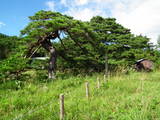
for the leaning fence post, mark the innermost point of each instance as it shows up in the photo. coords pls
(106, 64)
(61, 106)
(87, 89)
(98, 83)
(105, 78)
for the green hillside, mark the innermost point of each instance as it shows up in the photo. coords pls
(135, 96)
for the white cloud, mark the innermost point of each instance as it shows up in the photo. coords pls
(2, 24)
(84, 14)
(50, 5)
(81, 2)
(63, 2)
(141, 16)
(82, 10)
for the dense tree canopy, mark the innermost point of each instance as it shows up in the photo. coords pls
(12, 50)
(122, 46)
(78, 45)
(7, 44)
(46, 26)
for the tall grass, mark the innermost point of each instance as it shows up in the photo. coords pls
(135, 96)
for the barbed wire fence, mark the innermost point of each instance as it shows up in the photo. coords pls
(21, 116)
(61, 101)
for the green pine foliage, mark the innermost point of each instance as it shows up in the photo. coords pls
(123, 48)
(13, 62)
(7, 44)
(81, 46)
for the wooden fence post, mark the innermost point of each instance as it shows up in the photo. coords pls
(98, 83)
(104, 78)
(87, 89)
(61, 106)
(106, 65)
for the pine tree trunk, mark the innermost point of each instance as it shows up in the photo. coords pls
(52, 61)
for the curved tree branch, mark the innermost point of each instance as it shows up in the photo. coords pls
(61, 42)
(83, 49)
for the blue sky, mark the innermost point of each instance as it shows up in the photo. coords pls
(14, 14)
(141, 16)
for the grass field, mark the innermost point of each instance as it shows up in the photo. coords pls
(135, 96)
